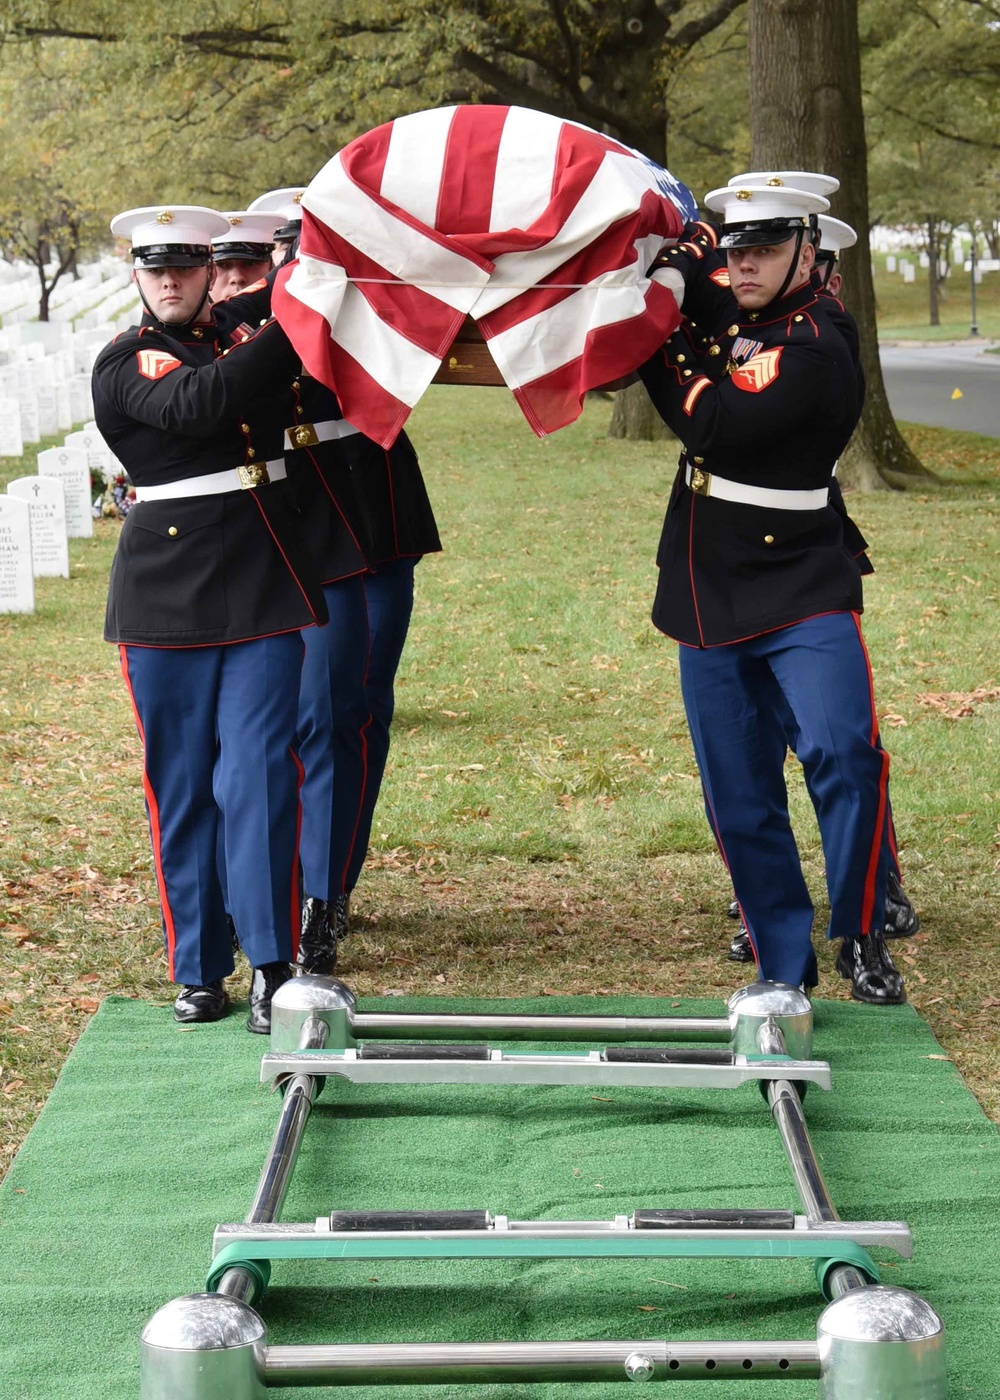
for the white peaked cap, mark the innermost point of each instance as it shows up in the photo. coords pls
(835, 235)
(246, 226)
(809, 180)
(286, 202)
(742, 204)
(160, 225)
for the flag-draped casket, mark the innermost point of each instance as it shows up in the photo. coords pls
(539, 229)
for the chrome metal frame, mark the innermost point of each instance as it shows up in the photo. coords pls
(214, 1347)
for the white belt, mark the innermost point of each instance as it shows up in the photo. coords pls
(309, 434)
(215, 483)
(707, 484)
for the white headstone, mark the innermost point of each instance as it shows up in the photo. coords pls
(11, 441)
(17, 581)
(64, 406)
(79, 397)
(69, 465)
(890, 263)
(924, 260)
(49, 550)
(99, 454)
(909, 273)
(28, 400)
(48, 412)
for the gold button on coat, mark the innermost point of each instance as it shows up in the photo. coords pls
(699, 460)
(769, 539)
(733, 330)
(715, 350)
(244, 427)
(172, 530)
(681, 359)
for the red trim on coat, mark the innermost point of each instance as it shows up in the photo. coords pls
(154, 820)
(766, 631)
(694, 594)
(329, 491)
(868, 899)
(233, 641)
(392, 498)
(305, 595)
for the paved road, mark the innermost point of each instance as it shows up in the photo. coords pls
(920, 381)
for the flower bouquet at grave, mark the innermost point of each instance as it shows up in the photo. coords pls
(115, 495)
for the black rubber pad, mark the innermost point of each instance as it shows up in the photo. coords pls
(714, 1220)
(424, 1052)
(675, 1055)
(348, 1220)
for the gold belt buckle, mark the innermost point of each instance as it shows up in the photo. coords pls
(252, 475)
(303, 435)
(701, 482)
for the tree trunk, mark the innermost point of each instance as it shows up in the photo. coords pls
(932, 279)
(806, 114)
(634, 417)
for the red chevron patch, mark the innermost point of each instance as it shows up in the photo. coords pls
(154, 364)
(758, 372)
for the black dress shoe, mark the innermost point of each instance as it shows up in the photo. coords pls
(265, 982)
(317, 953)
(733, 911)
(867, 964)
(340, 917)
(901, 919)
(208, 1003)
(740, 949)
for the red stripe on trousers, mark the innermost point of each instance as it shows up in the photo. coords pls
(363, 736)
(296, 910)
(154, 822)
(868, 899)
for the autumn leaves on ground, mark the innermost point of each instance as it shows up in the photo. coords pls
(540, 829)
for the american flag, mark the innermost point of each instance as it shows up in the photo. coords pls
(539, 228)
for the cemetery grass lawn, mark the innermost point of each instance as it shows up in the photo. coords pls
(541, 826)
(903, 308)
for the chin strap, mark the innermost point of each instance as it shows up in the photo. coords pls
(166, 324)
(800, 234)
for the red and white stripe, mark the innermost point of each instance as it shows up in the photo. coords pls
(539, 228)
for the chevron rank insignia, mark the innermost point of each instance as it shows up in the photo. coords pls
(758, 372)
(720, 277)
(154, 364)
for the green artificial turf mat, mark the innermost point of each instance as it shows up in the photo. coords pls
(154, 1134)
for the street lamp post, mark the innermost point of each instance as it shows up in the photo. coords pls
(974, 328)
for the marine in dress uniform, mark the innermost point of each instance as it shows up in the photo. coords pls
(210, 587)
(241, 257)
(368, 521)
(760, 587)
(901, 920)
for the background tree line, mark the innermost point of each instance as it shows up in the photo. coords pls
(103, 107)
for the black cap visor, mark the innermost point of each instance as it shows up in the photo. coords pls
(761, 233)
(172, 255)
(242, 252)
(288, 231)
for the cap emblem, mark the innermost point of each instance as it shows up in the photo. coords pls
(774, 180)
(744, 194)
(235, 220)
(165, 217)
(298, 198)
